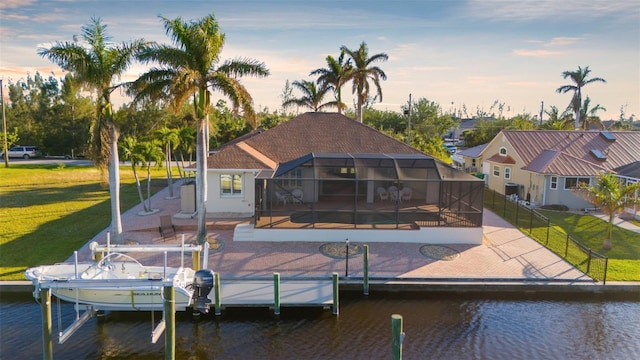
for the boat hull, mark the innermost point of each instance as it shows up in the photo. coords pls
(115, 285)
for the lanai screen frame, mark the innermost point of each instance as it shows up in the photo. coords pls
(339, 190)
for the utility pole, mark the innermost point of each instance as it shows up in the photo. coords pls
(5, 148)
(541, 110)
(408, 113)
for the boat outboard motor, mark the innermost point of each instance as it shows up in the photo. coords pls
(202, 283)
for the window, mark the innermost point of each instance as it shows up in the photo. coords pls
(230, 185)
(496, 171)
(292, 179)
(507, 173)
(473, 162)
(503, 151)
(553, 183)
(573, 182)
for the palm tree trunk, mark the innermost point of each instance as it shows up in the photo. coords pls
(114, 186)
(139, 187)
(169, 179)
(201, 179)
(607, 244)
(149, 185)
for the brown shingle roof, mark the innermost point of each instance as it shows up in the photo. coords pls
(310, 132)
(572, 149)
(502, 159)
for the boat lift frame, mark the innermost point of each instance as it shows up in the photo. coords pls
(43, 288)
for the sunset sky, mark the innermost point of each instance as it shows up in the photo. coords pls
(470, 52)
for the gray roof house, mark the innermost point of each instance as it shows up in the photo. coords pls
(326, 177)
(543, 166)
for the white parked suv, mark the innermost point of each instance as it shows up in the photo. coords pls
(24, 152)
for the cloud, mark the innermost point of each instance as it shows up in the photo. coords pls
(12, 4)
(500, 10)
(537, 53)
(562, 41)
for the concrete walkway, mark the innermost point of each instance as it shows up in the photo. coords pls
(506, 254)
(618, 221)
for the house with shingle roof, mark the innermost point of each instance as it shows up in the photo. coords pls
(543, 166)
(326, 177)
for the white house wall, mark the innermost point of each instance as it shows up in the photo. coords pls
(230, 206)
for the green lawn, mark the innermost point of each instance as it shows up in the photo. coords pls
(624, 256)
(47, 212)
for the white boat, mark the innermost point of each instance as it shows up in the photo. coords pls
(120, 282)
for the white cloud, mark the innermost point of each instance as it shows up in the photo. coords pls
(562, 41)
(537, 53)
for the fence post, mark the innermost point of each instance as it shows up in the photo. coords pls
(336, 298)
(566, 247)
(589, 263)
(366, 269)
(504, 207)
(493, 200)
(606, 264)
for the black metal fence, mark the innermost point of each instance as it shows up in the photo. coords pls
(542, 230)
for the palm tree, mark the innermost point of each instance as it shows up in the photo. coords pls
(131, 151)
(150, 151)
(311, 98)
(558, 121)
(170, 139)
(362, 71)
(333, 77)
(588, 115)
(611, 195)
(188, 70)
(97, 66)
(186, 142)
(579, 78)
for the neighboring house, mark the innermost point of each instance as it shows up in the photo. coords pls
(543, 166)
(470, 160)
(326, 177)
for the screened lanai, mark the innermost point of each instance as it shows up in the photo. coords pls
(380, 191)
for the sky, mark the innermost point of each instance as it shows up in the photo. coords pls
(457, 53)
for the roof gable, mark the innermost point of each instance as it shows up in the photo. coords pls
(312, 132)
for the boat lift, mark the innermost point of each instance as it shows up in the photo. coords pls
(43, 289)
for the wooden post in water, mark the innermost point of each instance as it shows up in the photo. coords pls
(195, 257)
(170, 319)
(216, 290)
(336, 300)
(397, 337)
(276, 293)
(366, 270)
(47, 338)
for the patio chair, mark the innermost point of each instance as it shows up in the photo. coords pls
(297, 195)
(383, 194)
(393, 193)
(281, 198)
(167, 229)
(405, 194)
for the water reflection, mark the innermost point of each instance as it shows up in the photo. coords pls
(436, 328)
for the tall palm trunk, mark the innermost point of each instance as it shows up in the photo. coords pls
(114, 185)
(201, 179)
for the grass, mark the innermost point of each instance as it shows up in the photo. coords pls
(48, 211)
(588, 230)
(624, 256)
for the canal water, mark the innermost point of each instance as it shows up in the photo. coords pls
(437, 326)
